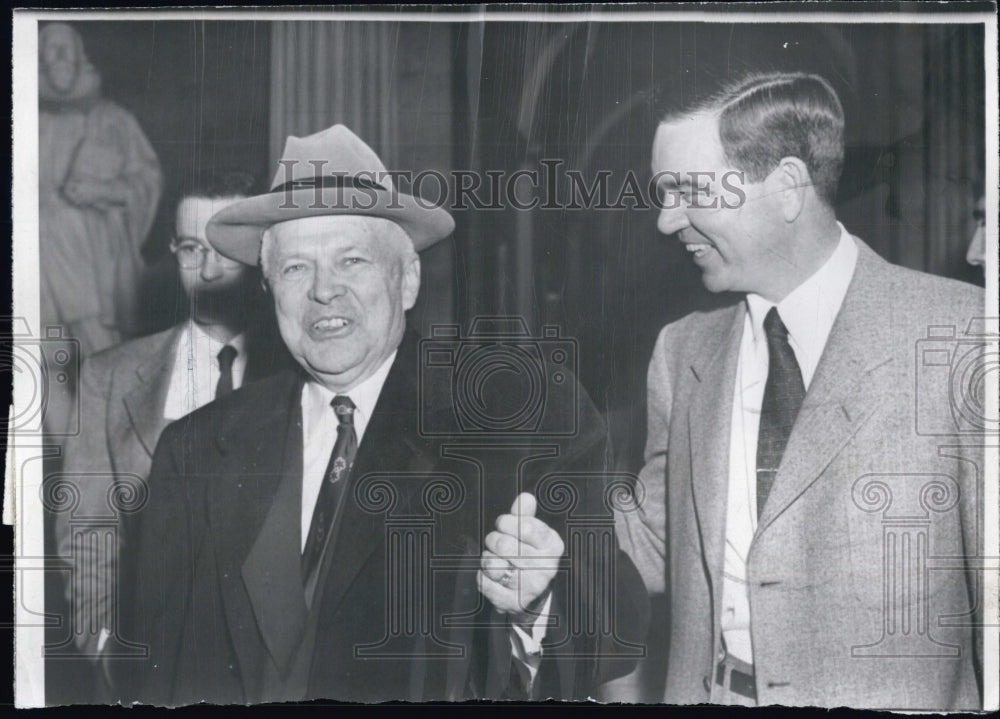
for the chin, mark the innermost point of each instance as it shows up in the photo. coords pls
(714, 285)
(333, 366)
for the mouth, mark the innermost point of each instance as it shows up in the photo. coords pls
(331, 326)
(698, 249)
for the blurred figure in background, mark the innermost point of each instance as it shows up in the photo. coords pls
(99, 186)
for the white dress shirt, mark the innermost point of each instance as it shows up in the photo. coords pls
(319, 433)
(196, 370)
(808, 313)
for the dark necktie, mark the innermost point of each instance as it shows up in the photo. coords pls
(226, 357)
(783, 396)
(337, 472)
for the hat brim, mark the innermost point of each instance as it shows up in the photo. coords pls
(236, 230)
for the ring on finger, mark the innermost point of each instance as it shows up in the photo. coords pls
(506, 577)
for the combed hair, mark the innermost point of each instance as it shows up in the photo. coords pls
(765, 117)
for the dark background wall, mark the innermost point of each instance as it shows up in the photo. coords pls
(200, 92)
(504, 96)
(591, 95)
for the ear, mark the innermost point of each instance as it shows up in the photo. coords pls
(792, 184)
(411, 281)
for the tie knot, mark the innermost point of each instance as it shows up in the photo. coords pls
(226, 356)
(344, 408)
(774, 328)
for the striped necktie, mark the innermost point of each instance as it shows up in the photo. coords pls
(337, 472)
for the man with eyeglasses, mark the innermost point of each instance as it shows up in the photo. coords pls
(131, 392)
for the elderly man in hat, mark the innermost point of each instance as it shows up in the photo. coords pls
(304, 539)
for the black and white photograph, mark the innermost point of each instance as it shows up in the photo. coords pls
(641, 354)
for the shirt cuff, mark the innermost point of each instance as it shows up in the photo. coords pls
(527, 648)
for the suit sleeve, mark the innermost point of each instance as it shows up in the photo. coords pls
(971, 475)
(642, 531)
(89, 472)
(600, 608)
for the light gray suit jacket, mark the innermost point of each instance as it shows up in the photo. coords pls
(123, 391)
(858, 587)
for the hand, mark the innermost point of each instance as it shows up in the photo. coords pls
(520, 560)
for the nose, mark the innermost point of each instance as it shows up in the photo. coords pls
(326, 286)
(976, 254)
(211, 268)
(673, 217)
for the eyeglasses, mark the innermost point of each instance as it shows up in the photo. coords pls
(191, 254)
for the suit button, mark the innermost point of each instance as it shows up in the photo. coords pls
(721, 655)
(707, 683)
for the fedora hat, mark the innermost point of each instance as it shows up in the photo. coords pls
(330, 173)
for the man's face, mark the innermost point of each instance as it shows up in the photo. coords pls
(59, 58)
(341, 288)
(728, 224)
(211, 282)
(976, 254)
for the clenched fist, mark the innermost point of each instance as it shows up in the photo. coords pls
(521, 558)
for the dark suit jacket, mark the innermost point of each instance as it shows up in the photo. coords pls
(399, 613)
(876, 484)
(122, 395)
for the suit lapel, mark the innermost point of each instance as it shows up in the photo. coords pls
(146, 395)
(391, 447)
(271, 571)
(844, 391)
(254, 511)
(709, 419)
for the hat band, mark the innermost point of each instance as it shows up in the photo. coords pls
(328, 181)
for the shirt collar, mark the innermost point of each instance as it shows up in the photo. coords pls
(364, 396)
(811, 308)
(196, 336)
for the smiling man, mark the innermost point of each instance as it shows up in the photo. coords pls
(304, 540)
(779, 423)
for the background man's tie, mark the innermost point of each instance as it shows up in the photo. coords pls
(225, 385)
(783, 396)
(334, 481)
